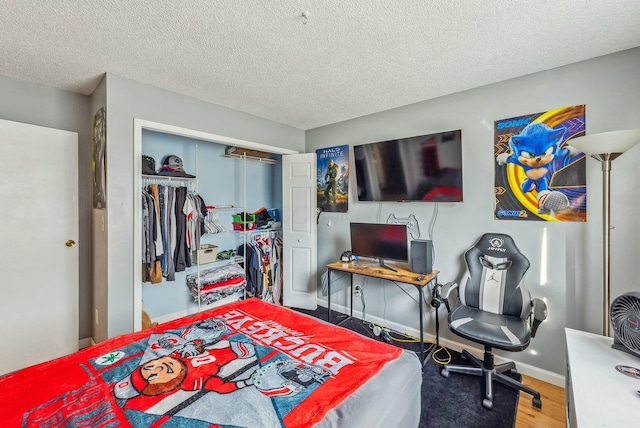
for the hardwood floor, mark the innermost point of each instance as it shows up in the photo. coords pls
(551, 415)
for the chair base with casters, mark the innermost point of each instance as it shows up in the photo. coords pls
(490, 373)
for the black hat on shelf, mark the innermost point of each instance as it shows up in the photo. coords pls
(148, 165)
(172, 167)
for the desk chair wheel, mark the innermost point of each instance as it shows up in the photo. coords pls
(444, 372)
(487, 404)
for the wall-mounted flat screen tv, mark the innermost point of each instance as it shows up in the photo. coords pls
(421, 168)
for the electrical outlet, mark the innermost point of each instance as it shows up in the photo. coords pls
(357, 291)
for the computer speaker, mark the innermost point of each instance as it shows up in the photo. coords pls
(421, 256)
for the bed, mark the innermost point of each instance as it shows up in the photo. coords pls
(244, 364)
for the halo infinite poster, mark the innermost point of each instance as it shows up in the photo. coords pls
(333, 179)
(538, 174)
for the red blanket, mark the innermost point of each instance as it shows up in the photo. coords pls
(244, 364)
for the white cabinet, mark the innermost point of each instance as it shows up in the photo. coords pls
(597, 394)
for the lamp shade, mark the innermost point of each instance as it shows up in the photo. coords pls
(606, 142)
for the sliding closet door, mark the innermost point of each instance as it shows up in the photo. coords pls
(299, 230)
(38, 244)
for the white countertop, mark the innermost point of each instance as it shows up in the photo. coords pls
(602, 397)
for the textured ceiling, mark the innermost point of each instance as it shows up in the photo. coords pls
(349, 59)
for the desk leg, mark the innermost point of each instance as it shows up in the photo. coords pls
(420, 295)
(350, 300)
(351, 291)
(329, 296)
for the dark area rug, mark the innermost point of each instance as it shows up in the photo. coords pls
(447, 402)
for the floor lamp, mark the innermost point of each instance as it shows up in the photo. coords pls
(606, 147)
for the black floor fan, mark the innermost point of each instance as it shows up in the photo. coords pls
(625, 320)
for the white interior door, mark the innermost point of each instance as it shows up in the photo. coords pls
(299, 230)
(38, 244)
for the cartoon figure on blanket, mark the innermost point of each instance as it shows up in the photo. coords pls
(284, 378)
(195, 360)
(534, 149)
(199, 359)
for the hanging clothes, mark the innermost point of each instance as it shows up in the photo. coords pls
(151, 243)
(253, 268)
(168, 227)
(181, 255)
(195, 211)
(276, 262)
(173, 222)
(263, 267)
(146, 251)
(155, 270)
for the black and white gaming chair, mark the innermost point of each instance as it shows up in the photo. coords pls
(494, 309)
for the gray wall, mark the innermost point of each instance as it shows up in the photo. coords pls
(609, 86)
(41, 105)
(127, 100)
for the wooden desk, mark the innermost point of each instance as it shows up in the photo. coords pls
(403, 275)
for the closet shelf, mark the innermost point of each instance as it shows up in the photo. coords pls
(256, 231)
(251, 158)
(167, 178)
(234, 259)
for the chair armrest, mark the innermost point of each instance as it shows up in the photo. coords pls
(443, 292)
(539, 314)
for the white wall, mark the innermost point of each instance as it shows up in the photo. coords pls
(609, 86)
(127, 100)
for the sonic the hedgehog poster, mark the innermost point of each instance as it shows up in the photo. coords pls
(538, 174)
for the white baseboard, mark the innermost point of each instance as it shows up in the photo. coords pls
(523, 368)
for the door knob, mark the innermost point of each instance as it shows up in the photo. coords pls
(70, 243)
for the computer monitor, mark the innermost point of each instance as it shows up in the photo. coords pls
(380, 241)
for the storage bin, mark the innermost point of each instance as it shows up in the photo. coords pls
(207, 253)
(240, 218)
(274, 213)
(244, 226)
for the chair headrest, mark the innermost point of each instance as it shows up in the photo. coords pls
(497, 245)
